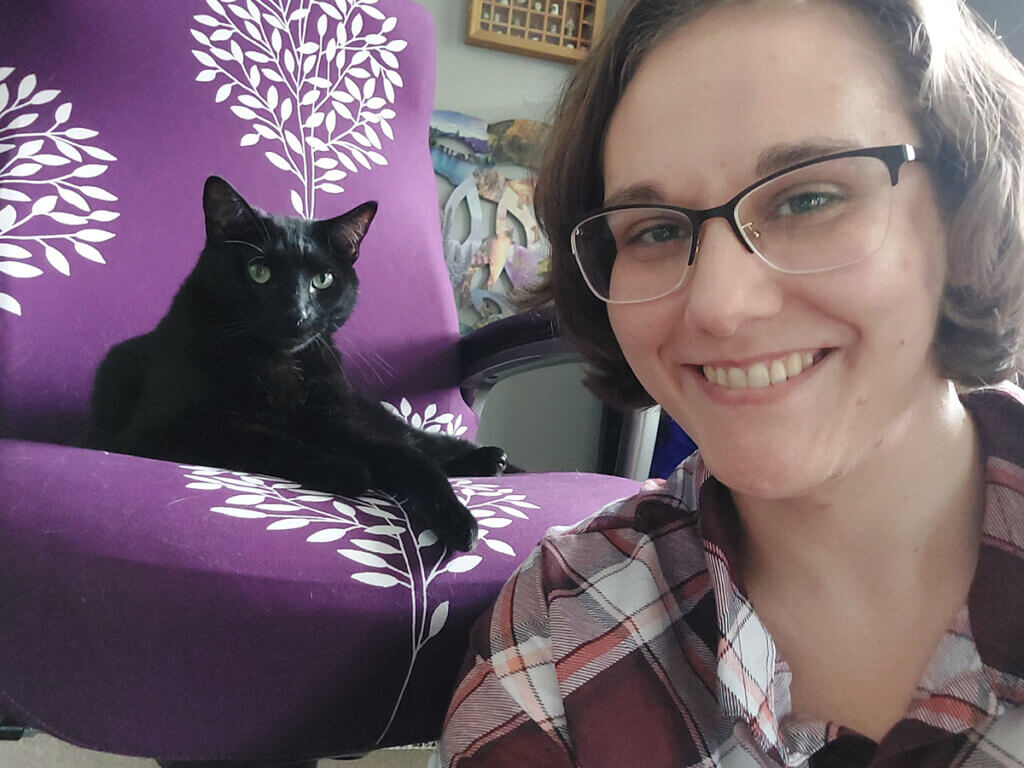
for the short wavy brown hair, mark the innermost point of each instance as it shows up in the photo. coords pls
(969, 95)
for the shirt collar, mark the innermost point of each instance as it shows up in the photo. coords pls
(976, 673)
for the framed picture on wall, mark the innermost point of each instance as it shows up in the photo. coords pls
(559, 30)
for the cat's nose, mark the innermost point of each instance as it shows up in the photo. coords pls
(302, 309)
(299, 316)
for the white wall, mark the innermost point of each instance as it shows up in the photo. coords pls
(1007, 18)
(484, 83)
(490, 84)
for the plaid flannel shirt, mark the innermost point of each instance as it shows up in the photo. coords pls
(624, 642)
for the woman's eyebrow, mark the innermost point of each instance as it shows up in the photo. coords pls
(780, 156)
(636, 194)
(772, 159)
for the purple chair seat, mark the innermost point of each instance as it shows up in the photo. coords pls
(154, 609)
(188, 613)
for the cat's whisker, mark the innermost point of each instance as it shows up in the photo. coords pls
(359, 362)
(353, 362)
(243, 242)
(368, 365)
(364, 364)
(382, 377)
(390, 368)
(263, 226)
(328, 348)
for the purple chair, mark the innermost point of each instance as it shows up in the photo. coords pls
(191, 613)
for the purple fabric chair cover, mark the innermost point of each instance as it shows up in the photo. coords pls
(181, 612)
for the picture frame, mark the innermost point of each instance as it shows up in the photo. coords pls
(556, 30)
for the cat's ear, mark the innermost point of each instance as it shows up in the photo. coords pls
(228, 216)
(346, 232)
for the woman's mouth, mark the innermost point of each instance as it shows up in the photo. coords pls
(766, 373)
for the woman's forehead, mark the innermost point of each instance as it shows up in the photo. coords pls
(739, 83)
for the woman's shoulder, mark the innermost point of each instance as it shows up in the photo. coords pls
(658, 503)
(656, 531)
(998, 412)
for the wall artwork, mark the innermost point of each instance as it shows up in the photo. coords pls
(559, 30)
(493, 247)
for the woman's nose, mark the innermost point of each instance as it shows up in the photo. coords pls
(728, 284)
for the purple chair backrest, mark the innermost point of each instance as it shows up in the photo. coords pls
(112, 115)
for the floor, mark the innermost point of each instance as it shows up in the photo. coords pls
(41, 751)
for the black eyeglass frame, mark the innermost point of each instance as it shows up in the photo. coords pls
(893, 155)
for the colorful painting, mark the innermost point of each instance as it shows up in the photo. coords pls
(491, 264)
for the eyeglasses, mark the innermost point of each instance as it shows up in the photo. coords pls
(816, 216)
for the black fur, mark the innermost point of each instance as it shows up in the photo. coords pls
(243, 375)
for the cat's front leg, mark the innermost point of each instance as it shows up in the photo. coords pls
(458, 458)
(481, 461)
(406, 473)
(223, 441)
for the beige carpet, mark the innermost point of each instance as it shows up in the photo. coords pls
(45, 752)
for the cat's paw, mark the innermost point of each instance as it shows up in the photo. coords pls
(454, 525)
(488, 461)
(457, 533)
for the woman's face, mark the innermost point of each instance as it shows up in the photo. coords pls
(736, 86)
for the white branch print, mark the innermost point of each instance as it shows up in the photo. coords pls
(313, 80)
(375, 532)
(45, 168)
(430, 420)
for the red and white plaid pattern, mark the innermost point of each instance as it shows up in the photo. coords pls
(625, 642)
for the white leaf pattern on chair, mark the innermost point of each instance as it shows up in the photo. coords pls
(430, 420)
(315, 79)
(388, 547)
(43, 164)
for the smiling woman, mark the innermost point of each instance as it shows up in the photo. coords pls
(799, 228)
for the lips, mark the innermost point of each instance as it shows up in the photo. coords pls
(766, 373)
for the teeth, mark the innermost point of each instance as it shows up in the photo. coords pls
(737, 378)
(760, 375)
(794, 364)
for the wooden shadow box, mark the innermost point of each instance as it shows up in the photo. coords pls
(559, 30)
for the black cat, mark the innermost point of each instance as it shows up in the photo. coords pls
(241, 372)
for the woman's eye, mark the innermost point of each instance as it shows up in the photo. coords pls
(656, 234)
(260, 273)
(323, 280)
(806, 202)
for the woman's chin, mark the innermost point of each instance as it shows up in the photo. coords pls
(770, 476)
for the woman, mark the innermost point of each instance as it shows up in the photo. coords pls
(797, 226)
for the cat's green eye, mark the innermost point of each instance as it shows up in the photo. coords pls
(323, 280)
(260, 273)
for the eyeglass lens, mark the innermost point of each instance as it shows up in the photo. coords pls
(813, 219)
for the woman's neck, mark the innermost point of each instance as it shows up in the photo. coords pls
(908, 514)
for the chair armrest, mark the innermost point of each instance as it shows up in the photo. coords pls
(513, 345)
(532, 340)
